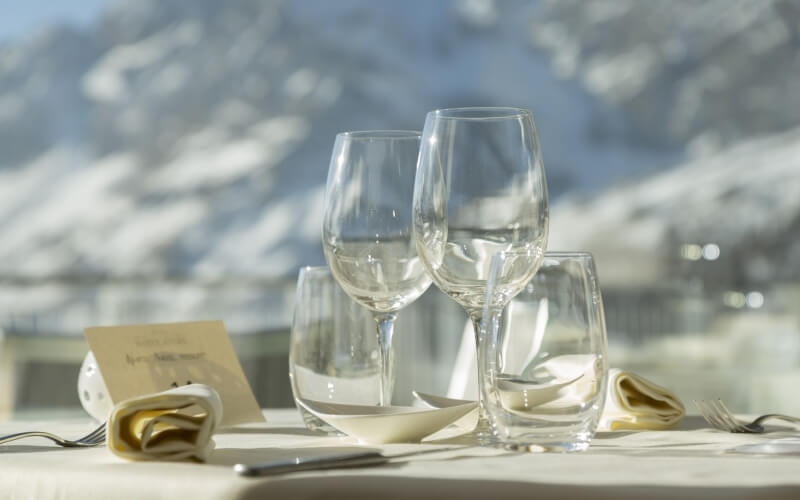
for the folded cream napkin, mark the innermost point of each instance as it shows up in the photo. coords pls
(172, 425)
(635, 403)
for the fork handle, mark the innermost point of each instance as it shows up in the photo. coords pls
(23, 435)
(787, 418)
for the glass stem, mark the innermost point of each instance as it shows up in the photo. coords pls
(483, 429)
(476, 316)
(385, 331)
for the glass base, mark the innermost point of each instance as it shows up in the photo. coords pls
(315, 424)
(530, 444)
(552, 447)
(483, 432)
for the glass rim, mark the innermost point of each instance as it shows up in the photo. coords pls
(559, 254)
(312, 270)
(481, 113)
(587, 258)
(568, 254)
(370, 135)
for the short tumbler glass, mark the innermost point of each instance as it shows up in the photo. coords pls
(544, 358)
(333, 353)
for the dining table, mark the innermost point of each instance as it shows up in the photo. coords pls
(690, 460)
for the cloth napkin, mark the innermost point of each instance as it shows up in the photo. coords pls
(172, 425)
(635, 403)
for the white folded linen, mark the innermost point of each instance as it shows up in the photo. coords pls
(635, 403)
(176, 424)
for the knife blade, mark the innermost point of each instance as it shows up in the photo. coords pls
(341, 460)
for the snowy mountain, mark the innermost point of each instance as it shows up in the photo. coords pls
(743, 201)
(190, 139)
(705, 73)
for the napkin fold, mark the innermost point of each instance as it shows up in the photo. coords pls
(176, 424)
(635, 403)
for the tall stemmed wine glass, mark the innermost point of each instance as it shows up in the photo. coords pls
(480, 189)
(367, 229)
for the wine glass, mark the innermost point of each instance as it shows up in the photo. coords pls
(480, 189)
(367, 229)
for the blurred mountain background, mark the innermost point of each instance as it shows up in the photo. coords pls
(216, 119)
(170, 149)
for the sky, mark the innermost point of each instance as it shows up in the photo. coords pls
(22, 17)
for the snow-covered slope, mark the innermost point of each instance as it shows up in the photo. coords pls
(744, 199)
(192, 138)
(705, 73)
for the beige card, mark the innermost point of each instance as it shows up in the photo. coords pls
(143, 359)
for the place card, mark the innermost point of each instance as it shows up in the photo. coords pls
(136, 360)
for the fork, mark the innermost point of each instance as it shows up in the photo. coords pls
(717, 414)
(94, 438)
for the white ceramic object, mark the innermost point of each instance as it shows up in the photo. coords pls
(564, 387)
(387, 424)
(570, 378)
(521, 396)
(513, 393)
(461, 425)
(434, 401)
(92, 389)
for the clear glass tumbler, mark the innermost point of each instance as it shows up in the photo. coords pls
(333, 355)
(544, 362)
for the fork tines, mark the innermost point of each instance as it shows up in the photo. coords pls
(719, 416)
(97, 436)
(94, 438)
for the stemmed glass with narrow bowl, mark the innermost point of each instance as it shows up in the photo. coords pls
(480, 189)
(367, 229)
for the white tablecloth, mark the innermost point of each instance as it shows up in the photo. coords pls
(690, 461)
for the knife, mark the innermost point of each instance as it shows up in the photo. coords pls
(342, 460)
